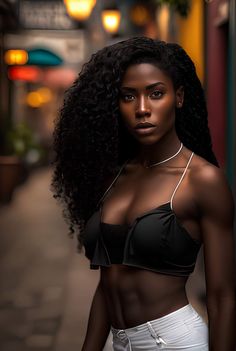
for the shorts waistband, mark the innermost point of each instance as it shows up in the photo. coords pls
(161, 323)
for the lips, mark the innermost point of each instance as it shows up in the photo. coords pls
(144, 125)
(144, 128)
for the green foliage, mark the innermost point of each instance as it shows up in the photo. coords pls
(182, 7)
(22, 142)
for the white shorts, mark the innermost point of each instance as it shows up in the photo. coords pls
(183, 329)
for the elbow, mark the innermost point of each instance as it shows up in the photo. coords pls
(223, 300)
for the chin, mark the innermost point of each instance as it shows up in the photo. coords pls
(147, 141)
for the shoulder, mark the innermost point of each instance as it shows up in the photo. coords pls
(205, 174)
(211, 189)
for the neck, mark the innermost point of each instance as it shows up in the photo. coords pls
(164, 148)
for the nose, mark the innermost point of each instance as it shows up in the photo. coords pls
(142, 108)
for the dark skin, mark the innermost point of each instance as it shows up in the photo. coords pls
(203, 204)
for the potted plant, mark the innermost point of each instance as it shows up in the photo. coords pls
(21, 150)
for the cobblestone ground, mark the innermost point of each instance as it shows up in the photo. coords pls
(45, 286)
(44, 296)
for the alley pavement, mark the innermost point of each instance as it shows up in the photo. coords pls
(46, 287)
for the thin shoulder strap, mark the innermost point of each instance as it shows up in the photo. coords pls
(179, 182)
(112, 183)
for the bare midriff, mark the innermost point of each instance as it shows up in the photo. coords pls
(135, 296)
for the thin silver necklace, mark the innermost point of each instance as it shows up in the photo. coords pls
(167, 159)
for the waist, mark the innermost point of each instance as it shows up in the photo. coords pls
(164, 323)
(182, 329)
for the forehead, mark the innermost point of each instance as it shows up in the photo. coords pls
(144, 74)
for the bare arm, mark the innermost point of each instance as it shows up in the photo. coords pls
(216, 206)
(98, 324)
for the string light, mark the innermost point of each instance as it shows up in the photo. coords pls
(79, 9)
(111, 20)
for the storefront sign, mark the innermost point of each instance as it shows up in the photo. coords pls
(42, 14)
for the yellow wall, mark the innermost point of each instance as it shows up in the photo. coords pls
(191, 32)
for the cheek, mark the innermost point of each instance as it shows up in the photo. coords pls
(165, 110)
(125, 112)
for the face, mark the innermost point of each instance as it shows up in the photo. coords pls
(147, 96)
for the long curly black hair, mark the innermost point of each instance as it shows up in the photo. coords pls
(90, 141)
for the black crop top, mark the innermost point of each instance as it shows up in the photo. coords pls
(155, 241)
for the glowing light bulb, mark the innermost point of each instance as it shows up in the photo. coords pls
(111, 20)
(79, 9)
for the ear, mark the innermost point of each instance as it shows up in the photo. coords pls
(179, 97)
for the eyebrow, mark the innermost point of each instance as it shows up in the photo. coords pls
(148, 87)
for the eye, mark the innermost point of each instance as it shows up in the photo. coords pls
(156, 94)
(127, 97)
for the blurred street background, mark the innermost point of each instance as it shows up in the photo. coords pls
(46, 287)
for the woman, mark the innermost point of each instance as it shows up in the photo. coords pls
(135, 167)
